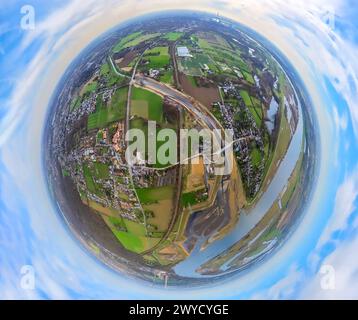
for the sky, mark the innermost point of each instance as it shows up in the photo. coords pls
(320, 39)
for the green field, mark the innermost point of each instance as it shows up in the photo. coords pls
(194, 65)
(119, 99)
(91, 184)
(76, 103)
(256, 110)
(139, 108)
(256, 157)
(204, 44)
(118, 223)
(141, 39)
(173, 36)
(242, 64)
(110, 74)
(215, 42)
(65, 173)
(89, 179)
(134, 40)
(153, 195)
(255, 113)
(223, 54)
(140, 124)
(217, 114)
(105, 69)
(98, 171)
(189, 199)
(130, 241)
(167, 77)
(246, 97)
(192, 198)
(135, 228)
(158, 57)
(248, 77)
(104, 115)
(132, 235)
(154, 102)
(101, 170)
(284, 139)
(135, 243)
(89, 88)
(125, 40)
(293, 182)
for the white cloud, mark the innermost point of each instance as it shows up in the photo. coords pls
(284, 288)
(345, 206)
(343, 258)
(341, 125)
(345, 263)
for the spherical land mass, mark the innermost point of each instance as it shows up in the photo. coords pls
(181, 223)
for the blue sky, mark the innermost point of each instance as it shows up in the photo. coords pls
(31, 64)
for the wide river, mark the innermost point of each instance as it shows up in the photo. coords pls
(248, 220)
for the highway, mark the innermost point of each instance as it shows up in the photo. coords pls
(200, 111)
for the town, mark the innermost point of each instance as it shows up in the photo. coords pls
(165, 135)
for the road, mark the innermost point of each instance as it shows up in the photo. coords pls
(175, 65)
(115, 69)
(197, 109)
(127, 127)
(200, 112)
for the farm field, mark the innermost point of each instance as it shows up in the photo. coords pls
(195, 180)
(254, 108)
(162, 213)
(158, 201)
(105, 115)
(158, 57)
(173, 36)
(226, 58)
(90, 87)
(167, 77)
(76, 103)
(90, 175)
(154, 195)
(206, 95)
(133, 40)
(110, 75)
(147, 100)
(194, 66)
